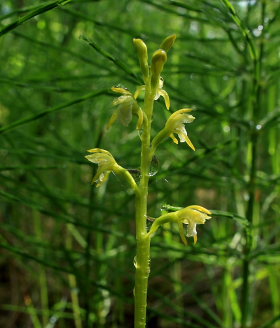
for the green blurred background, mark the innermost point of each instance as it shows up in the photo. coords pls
(67, 248)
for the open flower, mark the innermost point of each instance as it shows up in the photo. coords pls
(191, 215)
(106, 164)
(159, 93)
(175, 124)
(126, 107)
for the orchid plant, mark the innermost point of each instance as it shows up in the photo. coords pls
(127, 105)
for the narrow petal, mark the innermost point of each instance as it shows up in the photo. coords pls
(182, 233)
(194, 239)
(200, 209)
(165, 95)
(140, 119)
(139, 90)
(99, 150)
(188, 141)
(121, 90)
(112, 120)
(173, 138)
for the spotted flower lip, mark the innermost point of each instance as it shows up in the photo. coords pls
(126, 106)
(106, 164)
(175, 125)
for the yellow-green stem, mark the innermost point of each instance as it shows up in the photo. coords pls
(142, 260)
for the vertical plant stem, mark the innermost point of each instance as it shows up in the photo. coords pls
(42, 274)
(73, 285)
(248, 234)
(142, 262)
(254, 137)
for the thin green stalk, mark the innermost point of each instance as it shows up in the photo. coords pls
(253, 143)
(142, 263)
(248, 233)
(42, 273)
(73, 285)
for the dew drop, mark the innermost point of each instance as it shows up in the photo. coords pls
(136, 173)
(154, 166)
(135, 262)
(258, 31)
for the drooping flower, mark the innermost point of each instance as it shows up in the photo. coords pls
(192, 216)
(126, 107)
(175, 125)
(106, 164)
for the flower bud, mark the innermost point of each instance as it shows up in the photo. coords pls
(158, 60)
(168, 42)
(142, 52)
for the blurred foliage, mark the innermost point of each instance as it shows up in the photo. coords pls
(67, 247)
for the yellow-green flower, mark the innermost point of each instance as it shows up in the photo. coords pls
(106, 164)
(175, 125)
(126, 107)
(192, 216)
(159, 93)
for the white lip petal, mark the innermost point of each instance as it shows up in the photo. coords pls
(191, 230)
